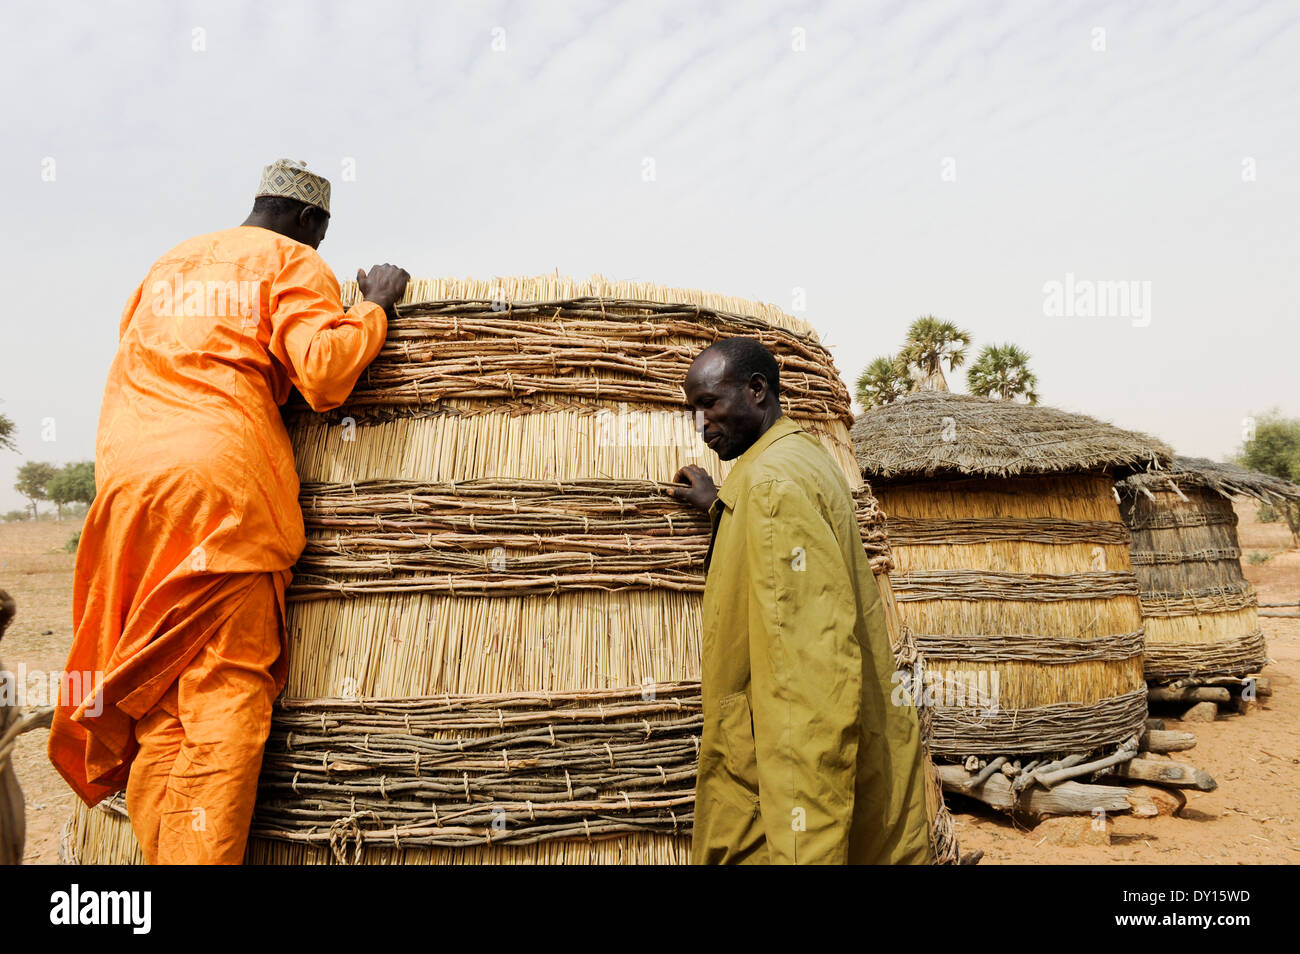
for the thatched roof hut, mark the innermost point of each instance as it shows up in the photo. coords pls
(928, 434)
(1226, 480)
(1012, 568)
(1201, 614)
(493, 565)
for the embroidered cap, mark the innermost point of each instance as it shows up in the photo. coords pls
(293, 180)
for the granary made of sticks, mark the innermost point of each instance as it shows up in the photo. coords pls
(1012, 569)
(1200, 613)
(495, 624)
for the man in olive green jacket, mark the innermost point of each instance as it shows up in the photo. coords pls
(804, 759)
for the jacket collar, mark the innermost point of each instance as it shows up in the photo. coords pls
(729, 492)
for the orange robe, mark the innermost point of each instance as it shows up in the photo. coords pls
(196, 522)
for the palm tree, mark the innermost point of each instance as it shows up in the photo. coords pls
(883, 380)
(1002, 371)
(929, 341)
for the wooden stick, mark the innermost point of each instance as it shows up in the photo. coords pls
(1190, 694)
(1064, 763)
(1189, 682)
(1053, 779)
(979, 778)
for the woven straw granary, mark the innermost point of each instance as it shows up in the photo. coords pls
(495, 624)
(1012, 569)
(1200, 613)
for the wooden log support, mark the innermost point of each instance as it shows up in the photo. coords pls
(1189, 694)
(1162, 740)
(1259, 685)
(1149, 801)
(1028, 778)
(1052, 779)
(1167, 773)
(980, 777)
(1067, 798)
(1228, 682)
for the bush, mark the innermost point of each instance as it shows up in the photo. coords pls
(13, 516)
(1267, 513)
(1257, 557)
(71, 545)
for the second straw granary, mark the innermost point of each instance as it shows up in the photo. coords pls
(1201, 615)
(1012, 569)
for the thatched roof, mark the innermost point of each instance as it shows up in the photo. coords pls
(930, 434)
(1226, 479)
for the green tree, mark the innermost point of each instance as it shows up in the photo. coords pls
(883, 380)
(929, 343)
(7, 431)
(33, 477)
(1002, 371)
(1275, 449)
(73, 483)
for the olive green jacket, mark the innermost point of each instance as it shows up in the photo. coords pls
(803, 760)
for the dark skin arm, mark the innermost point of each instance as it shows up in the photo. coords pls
(699, 490)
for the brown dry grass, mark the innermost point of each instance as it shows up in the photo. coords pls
(1072, 497)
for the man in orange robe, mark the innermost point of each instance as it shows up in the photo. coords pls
(179, 644)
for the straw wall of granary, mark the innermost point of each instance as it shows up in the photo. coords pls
(487, 528)
(1020, 591)
(1201, 614)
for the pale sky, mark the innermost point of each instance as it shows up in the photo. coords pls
(891, 160)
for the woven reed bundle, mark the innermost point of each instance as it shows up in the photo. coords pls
(510, 538)
(1200, 612)
(495, 626)
(1012, 568)
(605, 349)
(576, 765)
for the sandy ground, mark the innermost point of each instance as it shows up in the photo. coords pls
(1252, 817)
